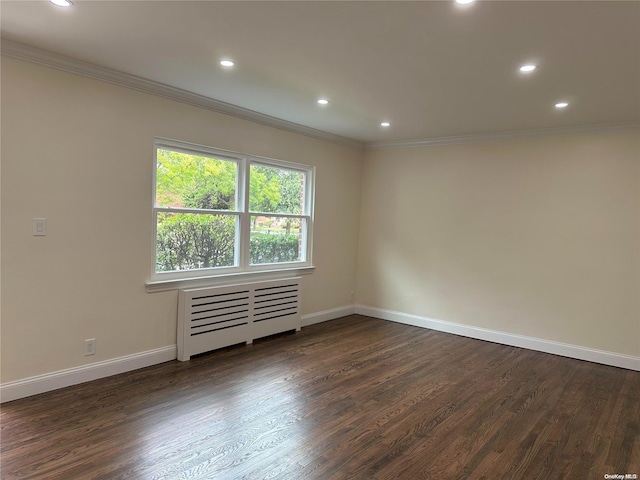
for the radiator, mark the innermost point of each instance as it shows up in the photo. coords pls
(216, 317)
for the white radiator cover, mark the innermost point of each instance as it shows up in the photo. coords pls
(216, 317)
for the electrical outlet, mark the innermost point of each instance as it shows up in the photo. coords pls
(89, 346)
(352, 295)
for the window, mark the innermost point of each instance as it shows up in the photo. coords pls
(218, 212)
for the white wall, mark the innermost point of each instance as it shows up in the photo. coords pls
(539, 238)
(79, 153)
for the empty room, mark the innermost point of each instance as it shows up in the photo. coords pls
(320, 240)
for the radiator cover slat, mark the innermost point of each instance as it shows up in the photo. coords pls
(215, 317)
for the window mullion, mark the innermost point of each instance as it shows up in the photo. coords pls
(245, 217)
(198, 211)
(279, 215)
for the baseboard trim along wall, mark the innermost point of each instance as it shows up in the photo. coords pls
(531, 343)
(73, 376)
(327, 315)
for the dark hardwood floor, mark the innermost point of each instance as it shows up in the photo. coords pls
(356, 398)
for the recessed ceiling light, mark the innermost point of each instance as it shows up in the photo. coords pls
(528, 68)
(385, 124)
(562, 105)
(62, 3)
(464, 2)
(227, 63)
(323, 101)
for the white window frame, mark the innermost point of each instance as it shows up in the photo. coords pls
(242, 268)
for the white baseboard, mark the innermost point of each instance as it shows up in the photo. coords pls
(72, 376)
(327, 315)
(531, 343)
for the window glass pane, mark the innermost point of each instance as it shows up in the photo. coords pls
(187, 241)
(195, 181)
(276, 190)
(275, 239)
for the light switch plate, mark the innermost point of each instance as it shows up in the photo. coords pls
(39, 227)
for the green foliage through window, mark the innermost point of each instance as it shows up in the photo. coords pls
(189, 241)
(270, 248)
(276, 190)
(187, 180)
(199, 211)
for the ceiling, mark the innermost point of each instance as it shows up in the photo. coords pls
(432, 69)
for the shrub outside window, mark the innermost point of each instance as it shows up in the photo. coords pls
(218, 212)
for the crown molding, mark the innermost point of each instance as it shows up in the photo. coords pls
(504, 136)
(50, 59)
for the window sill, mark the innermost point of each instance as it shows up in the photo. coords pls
(228, 279)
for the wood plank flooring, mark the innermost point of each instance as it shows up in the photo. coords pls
(354, 398)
